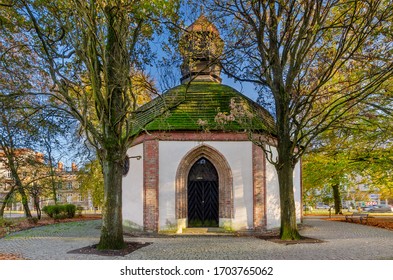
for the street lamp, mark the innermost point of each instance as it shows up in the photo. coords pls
(126, 165)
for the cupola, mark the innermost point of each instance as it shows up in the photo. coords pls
(201, 47)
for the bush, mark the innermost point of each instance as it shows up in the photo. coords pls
(5, 223)
(70, 209)
(60, 211)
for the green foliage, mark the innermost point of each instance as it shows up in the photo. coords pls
(352, 153)
(5, 222)
(91, 181)
(60, 211)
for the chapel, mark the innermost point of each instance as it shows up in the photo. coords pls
(193, 163)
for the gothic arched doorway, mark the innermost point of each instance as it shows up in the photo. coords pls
(203, 194)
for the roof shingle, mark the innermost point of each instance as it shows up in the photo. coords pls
(196, 106)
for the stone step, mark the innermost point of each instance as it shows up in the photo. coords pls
(206, 231)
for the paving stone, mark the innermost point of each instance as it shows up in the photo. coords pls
(342, 241)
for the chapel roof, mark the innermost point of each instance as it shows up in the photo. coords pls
(195, 107)
(201, 102)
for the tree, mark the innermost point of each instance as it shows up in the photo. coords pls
(91, 182)
(89, 49)
(294, 51)
(14, 131)
(357, 151)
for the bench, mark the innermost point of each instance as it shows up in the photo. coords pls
(357, 216)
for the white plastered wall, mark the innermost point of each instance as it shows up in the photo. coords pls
(273, 219)
(239, 157)
(133, 190)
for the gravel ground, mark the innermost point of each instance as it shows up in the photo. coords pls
(342, 241)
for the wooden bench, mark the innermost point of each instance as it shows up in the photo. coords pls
(357, 216)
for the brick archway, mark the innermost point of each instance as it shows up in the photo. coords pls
(225, 181)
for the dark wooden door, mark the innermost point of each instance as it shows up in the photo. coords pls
(203, 195)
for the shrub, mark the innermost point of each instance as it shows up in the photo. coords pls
(59, 211)
(70, 209)
(5, 222)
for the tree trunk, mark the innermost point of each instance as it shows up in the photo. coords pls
(5, 201)
(117, 70)
(288, 229)
(2, 207)
(53, 182)
(337, 199)
(285, 165)
(37, 206)
(21, 190)
(112, 223)
(25, 202)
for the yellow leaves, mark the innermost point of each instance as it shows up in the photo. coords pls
(143, 88)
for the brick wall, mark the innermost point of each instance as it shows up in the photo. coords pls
(151, 181)
(259, 186)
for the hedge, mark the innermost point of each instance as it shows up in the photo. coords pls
(60, 211)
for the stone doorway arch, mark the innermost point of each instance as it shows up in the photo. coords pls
(225, 182)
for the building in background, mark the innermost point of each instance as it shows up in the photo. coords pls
(38, 182)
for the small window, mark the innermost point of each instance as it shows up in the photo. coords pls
(9, 174)
(69, 185)
(69, 197)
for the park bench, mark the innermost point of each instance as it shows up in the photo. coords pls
(357, 216)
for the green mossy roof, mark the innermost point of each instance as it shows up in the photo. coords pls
(184, 108)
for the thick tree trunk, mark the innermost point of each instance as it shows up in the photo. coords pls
(337, 199)
(112, 223)
(117, 70)
(288, 229)
(285, 167)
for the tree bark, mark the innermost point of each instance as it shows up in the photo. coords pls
(288, 229)
(114, 147)
(36, 199)
(285, 164)
(25, 202)
(112, 223)
(337, 199)
(6, 200)
(2, 208)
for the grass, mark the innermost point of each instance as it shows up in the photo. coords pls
(53, 229)
(18, 227)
